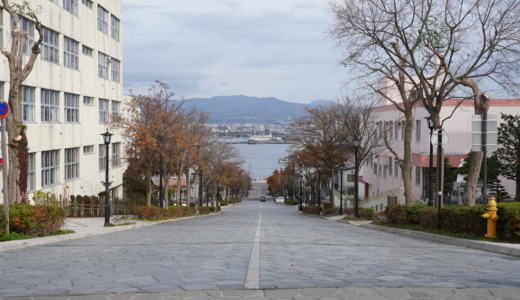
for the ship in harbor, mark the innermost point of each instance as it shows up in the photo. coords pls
(264, 139)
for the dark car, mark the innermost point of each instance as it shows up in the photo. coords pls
(262, 198)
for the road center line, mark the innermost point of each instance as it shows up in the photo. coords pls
(253, 270)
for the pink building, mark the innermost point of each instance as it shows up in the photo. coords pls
(381, 173)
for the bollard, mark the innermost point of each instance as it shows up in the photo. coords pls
(492, 217)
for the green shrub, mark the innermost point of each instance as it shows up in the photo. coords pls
(367, 213)
(402, 215)
(31, 220)
(463, 219)
(508, 223)
(312, 210)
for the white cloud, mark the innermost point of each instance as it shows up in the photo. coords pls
(257, 48)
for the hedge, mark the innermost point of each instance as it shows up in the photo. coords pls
(313, 210)
(157, 213)
(458, 219)
(32, 220)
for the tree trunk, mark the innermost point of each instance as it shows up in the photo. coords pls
(470, 190)
(331, 193)
(407, 160)
(149, 188)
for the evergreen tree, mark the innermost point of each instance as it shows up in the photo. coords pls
(508, 154)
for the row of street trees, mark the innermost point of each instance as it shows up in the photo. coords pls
(412, 52)
(325, 141)
(165, 139)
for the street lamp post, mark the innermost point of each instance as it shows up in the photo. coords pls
(106, 139)
(357, 143)
(341, 168)
(200, 186)
(161, 181)
(300, 208)
(430, 168)
(319, 186)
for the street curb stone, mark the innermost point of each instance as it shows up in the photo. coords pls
(511, 250)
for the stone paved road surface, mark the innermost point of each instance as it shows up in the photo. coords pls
(258, 246)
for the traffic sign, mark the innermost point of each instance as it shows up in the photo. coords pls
(4, 108)
(435, 138)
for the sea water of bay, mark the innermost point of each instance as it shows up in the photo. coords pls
(260, 160)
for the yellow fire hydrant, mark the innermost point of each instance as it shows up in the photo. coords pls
(492, 217)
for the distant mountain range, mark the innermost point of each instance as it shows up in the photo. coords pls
(250, 109)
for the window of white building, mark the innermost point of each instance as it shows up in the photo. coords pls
(103, 110)
(50, 105)
(396, 167)
(390, 165)
(116, 107)
(71, 6)
(50, 167)
(115, 28)
(27, 103)
(50, 45)
(71, 163)
(102, 157)
(88, 149)
(88, 100)
(71, 54)
(27, 26)
(116, 70)
(102, 20)
(87, 50)
(417, 175)
(71, 108)
(87, 3)
(31, 172)
(417, 130)
(103, 65)
(396, 130)
(116, 154)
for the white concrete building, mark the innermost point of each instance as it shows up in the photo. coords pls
(75, 85)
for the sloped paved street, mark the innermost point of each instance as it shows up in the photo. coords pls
(259, 250)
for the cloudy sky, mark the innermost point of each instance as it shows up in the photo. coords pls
(204, 48)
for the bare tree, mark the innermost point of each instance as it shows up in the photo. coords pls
(428, 51)
(329, 132)
(18, 72)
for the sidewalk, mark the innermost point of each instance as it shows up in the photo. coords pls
(85, 227)
(495, 247)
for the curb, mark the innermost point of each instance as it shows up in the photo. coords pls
(19, 244)
(479, 245)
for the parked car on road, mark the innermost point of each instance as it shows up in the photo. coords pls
(262, 198)
(279, 200)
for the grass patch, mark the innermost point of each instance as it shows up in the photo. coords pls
(14, 236)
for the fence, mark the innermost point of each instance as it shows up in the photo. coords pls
(89, 206)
